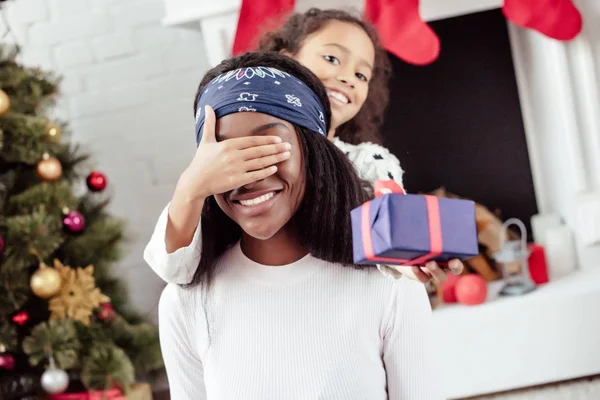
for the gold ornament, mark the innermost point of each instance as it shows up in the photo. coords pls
(49, 169)
(54, 133)
(4, 102)
(78, 296)
(45, 282)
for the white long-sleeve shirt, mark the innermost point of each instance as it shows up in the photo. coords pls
(372, 162)
(308, 330)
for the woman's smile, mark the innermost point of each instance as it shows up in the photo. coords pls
(254, 203)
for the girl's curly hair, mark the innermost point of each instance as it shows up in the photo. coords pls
(364, 127)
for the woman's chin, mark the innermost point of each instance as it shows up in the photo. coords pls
(262, 232)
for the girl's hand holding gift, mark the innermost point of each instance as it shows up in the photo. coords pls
(430, 271)
(433, 270)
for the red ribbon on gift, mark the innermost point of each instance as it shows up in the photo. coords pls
(435, 226)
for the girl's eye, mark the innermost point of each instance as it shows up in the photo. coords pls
(362, 77)
(332, 59)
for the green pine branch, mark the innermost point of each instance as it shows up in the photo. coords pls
(57, 338)
(54, 195)
(31, 90)
(145, 348)
(71, 158)
(39, 231)
(25, 139)
(107, 366)
(7, 182)
(8, 335)
(98, 244)
(14, 288)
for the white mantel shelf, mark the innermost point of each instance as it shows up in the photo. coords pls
(549, 335)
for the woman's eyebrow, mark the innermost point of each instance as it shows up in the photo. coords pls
(268, 126)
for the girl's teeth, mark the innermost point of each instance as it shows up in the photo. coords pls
(258, 200)
(338, 96)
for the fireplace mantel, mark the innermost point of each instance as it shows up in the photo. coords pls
(559, 93)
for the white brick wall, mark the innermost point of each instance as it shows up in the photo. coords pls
(127, 90)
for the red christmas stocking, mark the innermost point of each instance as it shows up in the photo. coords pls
(557, 19)
(251, 23)
(403, 31)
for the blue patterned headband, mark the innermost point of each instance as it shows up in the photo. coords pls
(265, 90)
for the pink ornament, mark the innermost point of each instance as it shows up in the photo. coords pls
(74, 221)
(7, 361)
(1, 244)
(471, 290)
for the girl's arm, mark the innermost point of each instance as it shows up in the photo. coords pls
(408, 356)
(176, 320)
(179, 265)
(173, 251)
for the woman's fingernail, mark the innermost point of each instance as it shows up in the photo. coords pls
(287, 146)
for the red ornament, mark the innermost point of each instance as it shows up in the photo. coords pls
(96, 181)
(74, 222)
(538, 267)
(557, 19)
(471, 290)
(1, 244)
(106, 313)
(7, 361)
(21, 318)
(449, 289)
(403, 31)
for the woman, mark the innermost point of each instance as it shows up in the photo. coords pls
(343, 52)
(276, 310)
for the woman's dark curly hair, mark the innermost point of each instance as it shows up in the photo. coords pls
(332, 189)
(364, 127)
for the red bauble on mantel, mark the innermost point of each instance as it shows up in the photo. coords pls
(96, 181)
(448, 288)
(471, 289)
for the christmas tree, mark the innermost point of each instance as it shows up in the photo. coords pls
(64, 317)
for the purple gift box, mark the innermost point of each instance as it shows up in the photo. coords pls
(406, 229)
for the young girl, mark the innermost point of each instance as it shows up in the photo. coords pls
(276, 310)
(343, 52)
